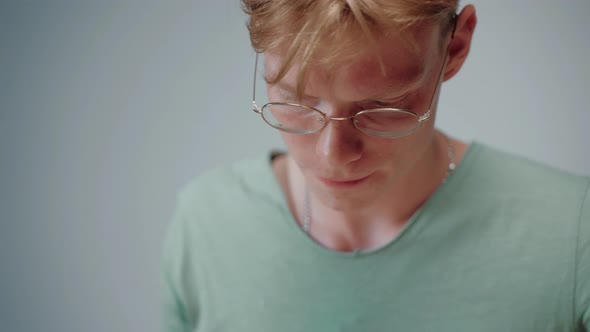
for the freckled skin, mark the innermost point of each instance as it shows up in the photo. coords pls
(399, 174)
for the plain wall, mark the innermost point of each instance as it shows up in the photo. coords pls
(109, 107)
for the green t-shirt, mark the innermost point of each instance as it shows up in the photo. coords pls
(502, 245)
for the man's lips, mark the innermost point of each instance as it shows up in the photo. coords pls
(342, 182)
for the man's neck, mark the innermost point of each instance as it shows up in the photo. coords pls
(376, 224)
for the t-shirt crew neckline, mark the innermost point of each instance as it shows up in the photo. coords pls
(447, 186)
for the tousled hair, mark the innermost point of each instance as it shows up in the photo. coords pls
(298, 27)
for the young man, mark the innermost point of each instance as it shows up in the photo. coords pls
(374, 220)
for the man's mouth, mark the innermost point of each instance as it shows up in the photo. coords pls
(343, 182)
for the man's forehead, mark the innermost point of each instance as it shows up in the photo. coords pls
(389, 74)
(390, 64)
(366, 75)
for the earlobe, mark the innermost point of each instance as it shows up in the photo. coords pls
(461, 44)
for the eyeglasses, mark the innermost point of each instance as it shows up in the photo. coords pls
(381, 122)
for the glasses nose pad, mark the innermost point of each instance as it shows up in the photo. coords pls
(320, 119)
(356, 123)
(342, 120)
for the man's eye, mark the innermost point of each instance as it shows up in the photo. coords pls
(398, 103)
(288, 97)
(385, 103)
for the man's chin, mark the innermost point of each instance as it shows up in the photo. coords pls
(344, 198)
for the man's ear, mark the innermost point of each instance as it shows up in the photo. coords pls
(459, 48)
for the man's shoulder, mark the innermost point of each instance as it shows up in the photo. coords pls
(226, 176)
(521, 191)
(495, 170)
(236, 196)
(234, 182)
(513, 196)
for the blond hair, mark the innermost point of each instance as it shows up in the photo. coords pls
(298, 27)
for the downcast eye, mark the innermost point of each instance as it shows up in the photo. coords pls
(394, 103)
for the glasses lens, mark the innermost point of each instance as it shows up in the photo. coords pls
(387, 122)
(293, 119)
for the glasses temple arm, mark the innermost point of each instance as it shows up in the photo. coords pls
(255, 107)
(442, 68)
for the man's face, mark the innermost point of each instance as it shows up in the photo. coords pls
(343, 167)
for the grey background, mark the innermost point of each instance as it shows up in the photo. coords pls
(109, 107)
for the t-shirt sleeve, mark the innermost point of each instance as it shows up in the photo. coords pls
(175, 311)
(582, 290)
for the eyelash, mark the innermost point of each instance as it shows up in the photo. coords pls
(400, 103)
(289, 98)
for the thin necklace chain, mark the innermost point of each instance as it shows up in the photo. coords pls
(306, 224)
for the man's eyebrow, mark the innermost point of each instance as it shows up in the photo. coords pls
(397, 89)
(282, 85)
(392, 89)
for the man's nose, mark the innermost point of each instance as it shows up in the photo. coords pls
(339, 141)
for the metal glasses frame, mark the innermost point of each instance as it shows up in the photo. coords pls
(421, 118)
